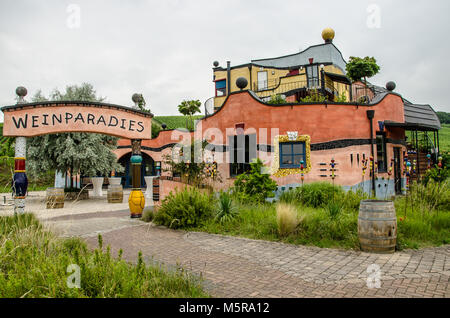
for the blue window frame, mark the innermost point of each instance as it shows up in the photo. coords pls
(221, 87)
(291, 154)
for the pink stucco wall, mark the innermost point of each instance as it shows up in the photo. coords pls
(322, 122)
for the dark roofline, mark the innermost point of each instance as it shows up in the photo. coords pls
(254, 62)
(326, 103)
(288, 55)
(76, 103)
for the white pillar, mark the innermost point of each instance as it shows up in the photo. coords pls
(60, 180)
(97, 183)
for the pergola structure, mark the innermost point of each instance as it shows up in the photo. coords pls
(420, 122)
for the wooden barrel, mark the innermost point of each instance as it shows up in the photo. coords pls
(55, 198)
(377, 226)
(115, 193)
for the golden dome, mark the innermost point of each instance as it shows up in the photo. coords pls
(328, 34)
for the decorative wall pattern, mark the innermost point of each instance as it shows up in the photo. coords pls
(276, 171)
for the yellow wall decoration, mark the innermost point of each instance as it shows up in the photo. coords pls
(278, 172)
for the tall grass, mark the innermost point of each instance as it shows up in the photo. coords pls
(421, 228)
(322, 194)
(315, 227)
(287, 219)
(34, 263)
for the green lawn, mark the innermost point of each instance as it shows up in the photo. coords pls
(444, 138)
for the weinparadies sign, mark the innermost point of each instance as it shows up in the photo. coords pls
(34, 119)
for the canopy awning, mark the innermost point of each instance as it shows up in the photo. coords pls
(339, 78)
(417, 117)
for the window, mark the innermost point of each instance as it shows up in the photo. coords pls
(242, 151)
(291, 154)
(381, 152)
(312, 73)
(221, 88)
(262, 80)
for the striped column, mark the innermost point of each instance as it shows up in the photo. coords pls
(20, 180)
(136, 200)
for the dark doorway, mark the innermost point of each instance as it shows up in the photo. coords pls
(242, 151)
(147, 169)
(397, 171)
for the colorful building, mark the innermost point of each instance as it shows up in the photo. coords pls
(318, 68)
(356, 138)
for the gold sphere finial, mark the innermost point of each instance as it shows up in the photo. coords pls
(328, 35)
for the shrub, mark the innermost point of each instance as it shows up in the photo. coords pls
(276, 100)
(437, 175)
(287, 219)
(226, 209)
(186, 208)
(316, 194)
(314, 96)
(254, 185)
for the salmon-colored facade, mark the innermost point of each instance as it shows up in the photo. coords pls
(335, 131)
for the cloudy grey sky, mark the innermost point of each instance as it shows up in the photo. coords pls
(165, 49)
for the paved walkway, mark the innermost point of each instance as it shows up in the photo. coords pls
(238, 267)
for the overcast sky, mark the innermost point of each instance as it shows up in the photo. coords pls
(165, 49)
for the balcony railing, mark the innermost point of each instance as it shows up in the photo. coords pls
(209, 106)
(301, 88)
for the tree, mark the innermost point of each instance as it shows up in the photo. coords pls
(358, 68)
(85, 153)
(189, 108)
(444, 117)
(191, 167)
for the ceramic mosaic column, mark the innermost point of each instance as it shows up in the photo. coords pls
(20, 180)
(136, 201)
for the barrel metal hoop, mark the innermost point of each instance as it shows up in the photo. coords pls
(380, 219)
(377, 238)
(376, 211)
(378, 246)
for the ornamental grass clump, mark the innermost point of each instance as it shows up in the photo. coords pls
(287, 219)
